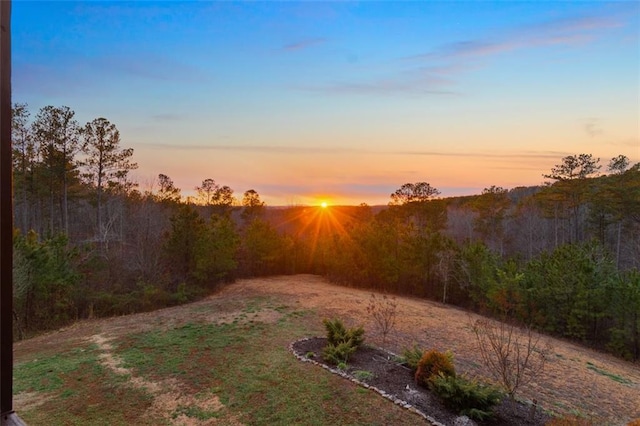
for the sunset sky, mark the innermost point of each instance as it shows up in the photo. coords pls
(343, 101)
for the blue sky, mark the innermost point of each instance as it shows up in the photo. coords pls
(347, 101)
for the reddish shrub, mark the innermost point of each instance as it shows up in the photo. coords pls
(432, 364)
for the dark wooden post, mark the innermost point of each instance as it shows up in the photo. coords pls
(6, 220)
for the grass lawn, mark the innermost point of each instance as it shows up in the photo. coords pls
(200, 372)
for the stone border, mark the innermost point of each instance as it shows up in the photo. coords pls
(341, 373)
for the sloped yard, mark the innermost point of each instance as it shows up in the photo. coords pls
(225, 360)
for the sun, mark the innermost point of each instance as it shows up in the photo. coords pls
(324, 204)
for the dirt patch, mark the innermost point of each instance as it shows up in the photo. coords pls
(168, 399)
(266, 316)
(30, 400)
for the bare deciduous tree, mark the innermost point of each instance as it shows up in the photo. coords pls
(515, 356)
(384, 312)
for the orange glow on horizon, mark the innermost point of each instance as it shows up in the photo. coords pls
(319, 224)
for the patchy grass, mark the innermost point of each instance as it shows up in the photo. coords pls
(363, 375)
(171, 353)
(249, 368)
(282, 305)
(612, 376)
(244, 365)
(50, 373)
(194, 412)
(73, 388)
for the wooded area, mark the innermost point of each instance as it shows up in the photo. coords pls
(563, 257)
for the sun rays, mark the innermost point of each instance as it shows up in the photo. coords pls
(321, 226)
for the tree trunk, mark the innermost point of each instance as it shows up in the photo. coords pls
(618, 244)
(65, 205)
(99, 214)
(51, 209)
(555, 223)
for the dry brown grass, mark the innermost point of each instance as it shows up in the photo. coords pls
(568, 385)
(569, 421)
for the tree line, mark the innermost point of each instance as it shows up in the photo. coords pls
(563, 256)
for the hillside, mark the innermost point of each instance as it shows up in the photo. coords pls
(167, 366)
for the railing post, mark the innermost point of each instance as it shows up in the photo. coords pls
(6, 219)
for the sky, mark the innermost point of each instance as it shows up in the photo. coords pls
(343, 101)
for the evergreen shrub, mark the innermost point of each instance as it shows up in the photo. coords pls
(341, 342)
(466, 396)
(411, 357)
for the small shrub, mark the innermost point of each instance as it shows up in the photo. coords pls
(432, 364)
(337, 333)
(342, 366)
(412, 356)
(338, 354)
(363, 375)
(466, 396)
(342, 342)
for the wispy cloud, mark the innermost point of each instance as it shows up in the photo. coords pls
(45, 80)
(148, 66)
(489, 155)
(580, 23)
(592, 127)
(282, 149)
(80, 73)
(304, 44)
(382, 87)
(417, 81)
(274, 149)
(633, 143)
(447, 62)
(167, 117)
(568, 31)
(469, 48)
(436, 72)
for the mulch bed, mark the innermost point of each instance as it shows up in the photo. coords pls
(397, 383)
